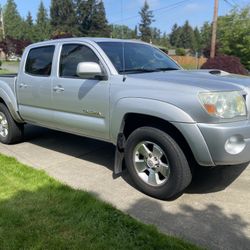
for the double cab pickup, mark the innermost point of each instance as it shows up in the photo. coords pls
(162, 119)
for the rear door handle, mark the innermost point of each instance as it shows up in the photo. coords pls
(23, 86)
(58, 89)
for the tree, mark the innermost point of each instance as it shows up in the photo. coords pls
(174, 36)
(197, 40)
(146, 21)
(91, 18)
(186, 39)
(99, 24)
(42, 27)
(122, 31)
(28, 28)
(63, 16)
(13, 22)
(205, 35)
(234, 35)
(13, 46)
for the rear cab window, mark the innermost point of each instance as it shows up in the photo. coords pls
(39, 61)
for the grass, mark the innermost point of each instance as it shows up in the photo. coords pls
(4, 71)
(14, 63)
(37, 212)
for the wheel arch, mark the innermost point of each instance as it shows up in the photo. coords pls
(8, 98)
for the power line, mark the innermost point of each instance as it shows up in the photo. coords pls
(168, 7)
(232, 5)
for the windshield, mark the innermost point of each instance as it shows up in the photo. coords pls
(137, 58)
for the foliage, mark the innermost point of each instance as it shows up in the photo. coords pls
(234, 34)
(146, 21)
(185, 37)
(13, 22)
(180, 52)
(230, 64)
(61, 34)
(0, 63)
(99, 25)
(42, 27)
(205, 36)
(91, 18)
(63, 16)
(13, 46)
(123, 31)
(28, 28)
(37, 212)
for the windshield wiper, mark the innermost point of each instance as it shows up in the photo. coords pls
(142, 70)
(139, 70)
(165, 69)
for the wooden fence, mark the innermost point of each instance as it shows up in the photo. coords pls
(189, 62)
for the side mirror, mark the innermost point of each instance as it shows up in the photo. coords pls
(89, 70)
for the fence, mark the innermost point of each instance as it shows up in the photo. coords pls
(190, 62)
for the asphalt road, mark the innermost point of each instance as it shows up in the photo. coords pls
(214, 212)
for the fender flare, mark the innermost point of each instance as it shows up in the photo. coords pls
(152, 107)
(7, 95)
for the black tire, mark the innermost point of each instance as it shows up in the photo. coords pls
(15, 130)
(180, 175)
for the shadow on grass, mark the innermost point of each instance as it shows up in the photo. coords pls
(208, 226)
(57, 217)
(206, 180)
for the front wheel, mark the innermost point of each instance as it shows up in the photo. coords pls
(156, 163)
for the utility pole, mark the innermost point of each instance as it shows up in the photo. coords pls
(214, 31)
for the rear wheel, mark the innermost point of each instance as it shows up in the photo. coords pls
(156, 163)
(10, 131)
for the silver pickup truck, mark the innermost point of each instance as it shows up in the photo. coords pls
(162, 119)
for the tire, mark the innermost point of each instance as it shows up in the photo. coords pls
(164, 172)
(10, 131)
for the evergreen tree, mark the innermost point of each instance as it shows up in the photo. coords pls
(122, 31)
(197, 39)
(146, 21)
(13, 22)
(91, 18)
(28, 28)
(42, 28)
(84, 10)
(99, 24)
(186, 39)
(175, 35)
(135, 34)
(206, 34)
(63, 16)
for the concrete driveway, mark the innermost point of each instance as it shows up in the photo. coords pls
(214, 212)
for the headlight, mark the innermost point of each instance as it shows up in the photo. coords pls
(224, 104)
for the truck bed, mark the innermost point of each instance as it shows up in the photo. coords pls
(9, 79)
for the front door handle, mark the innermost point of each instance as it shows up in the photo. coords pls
(58, 89)
(23, 86)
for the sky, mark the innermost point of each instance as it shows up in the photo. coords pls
(167, 12)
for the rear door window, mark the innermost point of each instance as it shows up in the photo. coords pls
(39, 61)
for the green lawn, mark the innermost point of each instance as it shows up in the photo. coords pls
(37, 212)
(4, 71)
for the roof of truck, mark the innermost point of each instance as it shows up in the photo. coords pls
(90, 39)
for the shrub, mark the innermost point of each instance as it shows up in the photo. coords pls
(0, 63)
(180, 52)
(230, 64)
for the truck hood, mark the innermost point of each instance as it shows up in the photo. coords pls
(198, 80)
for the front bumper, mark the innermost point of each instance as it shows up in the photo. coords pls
(218, 136)
(208, 142)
